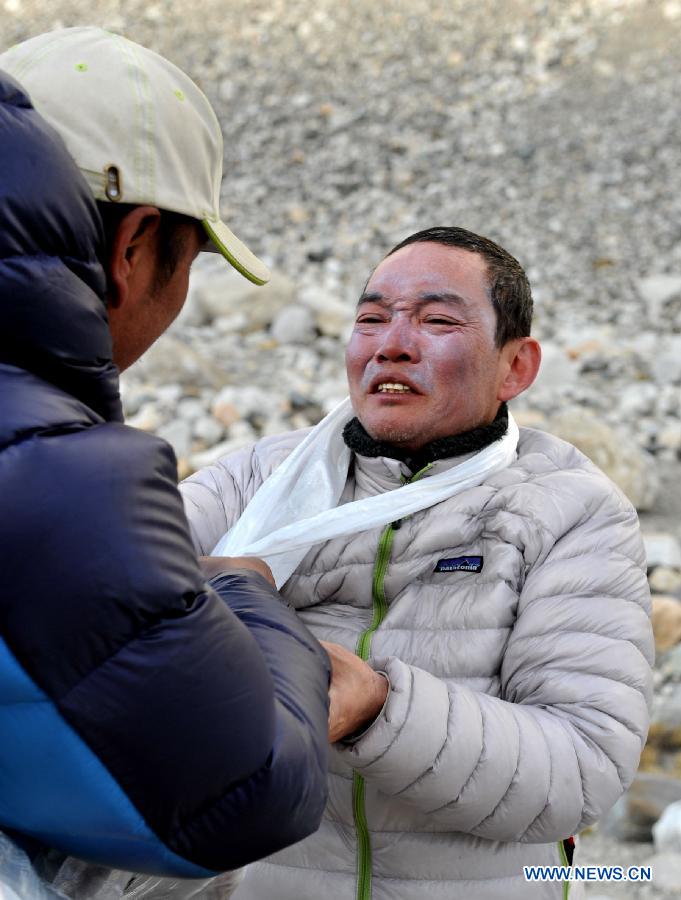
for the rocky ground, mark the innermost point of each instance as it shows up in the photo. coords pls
(549, 125)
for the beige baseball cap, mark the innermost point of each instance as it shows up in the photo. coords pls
(138, 128)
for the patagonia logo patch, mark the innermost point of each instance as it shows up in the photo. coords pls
(460, 564)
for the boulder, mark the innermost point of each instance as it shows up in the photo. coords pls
(173, 360)
(213, 454)
(666, 622)
(178, 433)
(669, 665)
(656, 289)
(530, 418)
(219, 291)
(294, 324)
(147, 417)
(666, 361)
(334, 318)
(667, 830)
(664, 734)
(662, 549)
(235, 403)
(633, 816)
(208, 430)
(665, 580)
(630, 467)
(557, 369)
(666, 872)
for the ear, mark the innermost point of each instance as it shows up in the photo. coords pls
(520, 364)
(133, 253)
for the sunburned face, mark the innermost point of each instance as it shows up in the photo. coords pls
(422, 362)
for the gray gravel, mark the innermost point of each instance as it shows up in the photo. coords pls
(549, 125)
(596, 849)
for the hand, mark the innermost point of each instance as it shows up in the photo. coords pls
(356, 694)
(211, 566)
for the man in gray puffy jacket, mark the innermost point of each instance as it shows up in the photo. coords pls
(492, 650)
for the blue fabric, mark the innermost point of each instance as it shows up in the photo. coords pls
(147, 721)
(54, 763)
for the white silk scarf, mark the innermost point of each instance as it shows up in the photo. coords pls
(297, 506)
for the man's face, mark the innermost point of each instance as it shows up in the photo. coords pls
(153, 302)
(422, 362)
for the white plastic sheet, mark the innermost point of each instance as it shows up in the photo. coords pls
(18, 879)
(297, 506)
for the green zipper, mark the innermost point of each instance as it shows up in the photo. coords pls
(363, 650)
(363, 841)
(564, 861)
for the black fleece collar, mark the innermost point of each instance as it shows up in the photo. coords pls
(360, 442)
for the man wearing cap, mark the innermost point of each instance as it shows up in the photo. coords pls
(150, 721)
(483, 589)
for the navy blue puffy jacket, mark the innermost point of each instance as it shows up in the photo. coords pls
(147, 721)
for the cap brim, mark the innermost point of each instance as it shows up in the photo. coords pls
(237, 254)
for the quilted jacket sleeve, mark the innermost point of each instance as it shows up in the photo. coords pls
(563, 741)
(172, 727)
(216, 496)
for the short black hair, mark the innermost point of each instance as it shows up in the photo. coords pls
(171, 236)
(508, 286)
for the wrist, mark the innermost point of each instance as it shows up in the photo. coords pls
(381, 689)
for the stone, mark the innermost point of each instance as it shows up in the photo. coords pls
(530, 418)
(184, 469)
(637, 399)
(147, 418)
(225, 412)
(208, 430)
(243, 431)
(178, 433)
(667, 830)
(173, 360)
(168, 395)
(665, 721)
(666, 871)
(234, 403)
(557, 369)
(633, 816)
(662, 550)
(665, 362)
(644, 344)
(669, 436)
(294, 324)
(190, 408)
(213, 454)
(655, 290)
(663, 580)
(630, 467)
(651, 760)
(666, 622)
(298, 215)
(230, 324)
(670, 664)
(134, 395)
(218, 291)
(334, 318)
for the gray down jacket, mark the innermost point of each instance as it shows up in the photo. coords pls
(512, 621)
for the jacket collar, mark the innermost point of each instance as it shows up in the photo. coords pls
(379, 466)
(456, 445)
